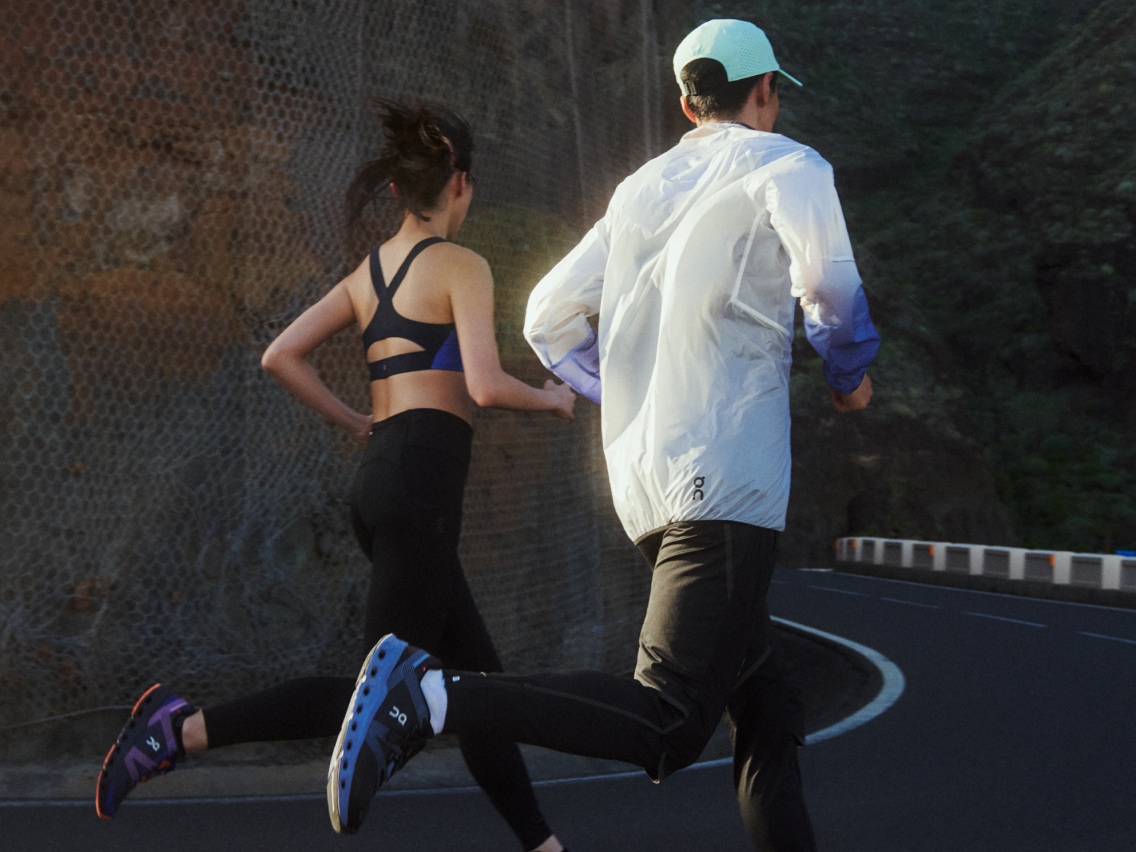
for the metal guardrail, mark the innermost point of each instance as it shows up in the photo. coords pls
(1106, 572)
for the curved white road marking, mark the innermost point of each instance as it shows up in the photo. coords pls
(888, 695)
(893, 684)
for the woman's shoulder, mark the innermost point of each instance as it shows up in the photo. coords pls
(460, 253)
(457, 261)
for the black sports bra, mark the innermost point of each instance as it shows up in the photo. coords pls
(439, 341)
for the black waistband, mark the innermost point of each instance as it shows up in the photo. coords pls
(443, 424)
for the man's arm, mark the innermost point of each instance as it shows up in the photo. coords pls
(556, 322)
(806, 214)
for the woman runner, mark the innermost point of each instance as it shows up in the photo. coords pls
(412, 299)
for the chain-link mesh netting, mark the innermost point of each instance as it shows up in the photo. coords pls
(171, 189)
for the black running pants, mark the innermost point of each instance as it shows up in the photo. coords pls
(706, 646)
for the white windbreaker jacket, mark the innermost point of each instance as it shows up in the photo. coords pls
(693, 272)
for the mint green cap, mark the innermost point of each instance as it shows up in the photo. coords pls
(742, 48)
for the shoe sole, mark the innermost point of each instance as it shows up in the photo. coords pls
(110, 753)
(362, 708)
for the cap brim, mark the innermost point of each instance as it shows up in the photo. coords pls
(790, 77)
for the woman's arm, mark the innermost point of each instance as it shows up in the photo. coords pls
(489, 385)
(286, 360)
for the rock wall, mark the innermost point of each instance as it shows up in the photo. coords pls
(171, 185)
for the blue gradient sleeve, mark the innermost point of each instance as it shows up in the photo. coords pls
(847, 348)
(580, 368)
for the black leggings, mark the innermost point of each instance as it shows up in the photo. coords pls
(406, 508)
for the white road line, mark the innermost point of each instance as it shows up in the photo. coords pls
(1113, 638)
(961, 591)
(840, 591)
(1003, 618)
(911, 603)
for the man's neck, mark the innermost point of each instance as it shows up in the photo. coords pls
(734, 120)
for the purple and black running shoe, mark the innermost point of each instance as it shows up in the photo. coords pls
(146, 747)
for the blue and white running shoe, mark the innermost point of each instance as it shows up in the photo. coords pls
(386, 725)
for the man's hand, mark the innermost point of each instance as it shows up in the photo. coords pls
(857, 400)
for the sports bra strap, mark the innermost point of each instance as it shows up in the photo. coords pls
(408, 362)
(377, 270)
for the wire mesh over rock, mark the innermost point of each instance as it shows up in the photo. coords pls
(171, 196)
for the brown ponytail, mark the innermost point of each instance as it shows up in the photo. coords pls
(424, 146)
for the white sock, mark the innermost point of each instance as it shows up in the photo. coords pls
(434, 691)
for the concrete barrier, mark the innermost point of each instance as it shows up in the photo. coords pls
(1011, 569)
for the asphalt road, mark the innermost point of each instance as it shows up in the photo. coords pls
(1010, 732)
(1014, 731)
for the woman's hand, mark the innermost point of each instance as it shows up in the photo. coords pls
(360, 429)
(564, 399)
(286, 359)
